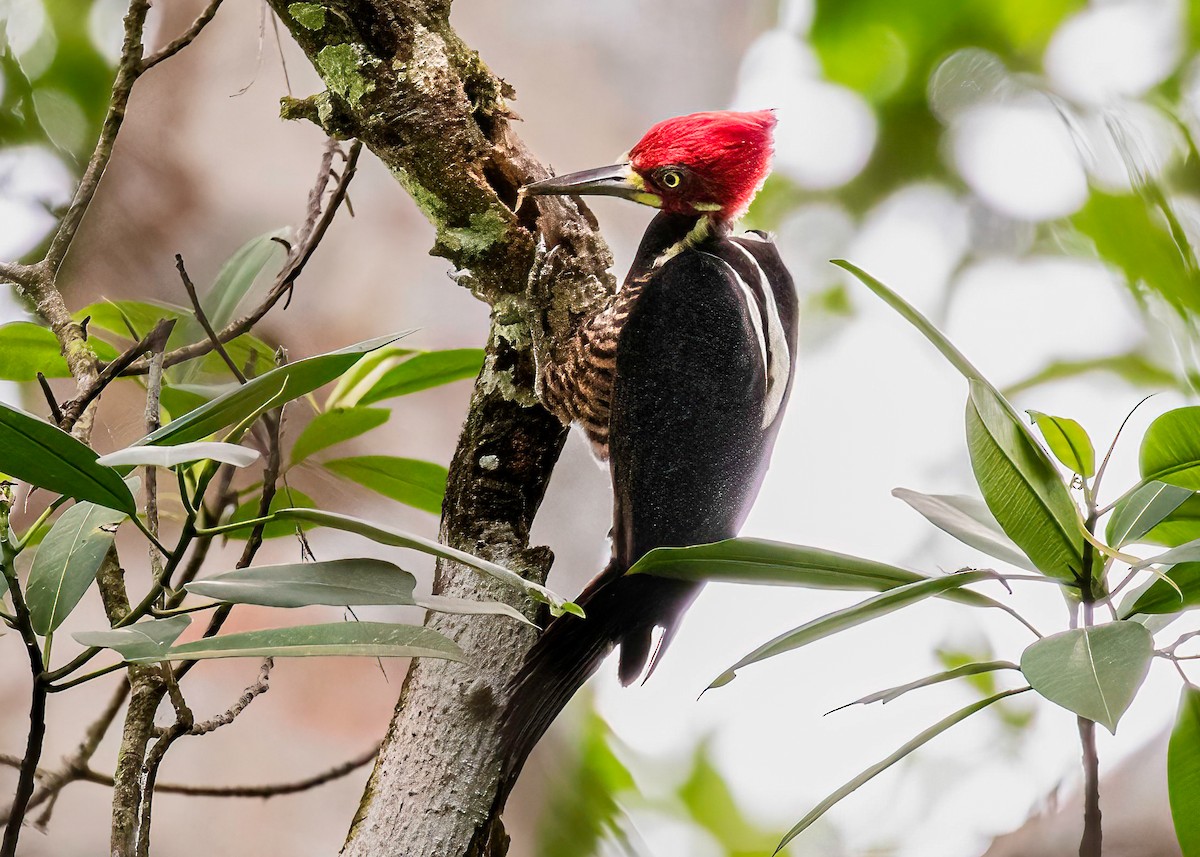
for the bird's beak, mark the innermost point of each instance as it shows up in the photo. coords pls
(617, 180)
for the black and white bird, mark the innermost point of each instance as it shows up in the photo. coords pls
(680, 383)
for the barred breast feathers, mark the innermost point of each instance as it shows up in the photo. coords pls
(577, 388)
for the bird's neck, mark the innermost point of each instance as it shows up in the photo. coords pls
(668, 235)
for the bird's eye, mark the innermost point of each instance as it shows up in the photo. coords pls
(670, 179)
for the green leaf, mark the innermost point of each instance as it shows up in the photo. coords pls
(184, 453)
(335, 426)
(1142, 511)
(27, 348)
(892, 693)
(849, 617)
(425, 370)
(148, 640)
(1183, 772)
(1068, 441)
(1021, 487)
(878, 768)
(470, 607)
(1129, 234)
(396, 538)
(421, 484)
(1161, 597)
(238, 275)
(36, 452)
(67, 561)
(777, 563)
(355, 382)
(295, 380)
(969, 520)
(336, 583)
(1094, 672)
(1186, 552)
(1132, 367)
(285, 498)
(1171, 449)
(132, 319)
(368, 639)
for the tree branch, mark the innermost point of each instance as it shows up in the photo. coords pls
(184, 39)
(402, 81)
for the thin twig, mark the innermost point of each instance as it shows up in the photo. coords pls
(291, 271)
(150, 472)
(129, 67)
(268, 790)
(1090, 844)
(155, 341)
(186, 38)
(251, 693)
(37, 697)
(55, 411)
(202, 317)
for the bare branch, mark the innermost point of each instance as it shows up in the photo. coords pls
(183, 40)
(129, 67)
(153, 341)
(55, 411)
(297, 259)
(202, 317)
(261, 686)
(22, 275)
(268, 790)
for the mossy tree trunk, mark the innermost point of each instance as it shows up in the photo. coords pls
(401, 80)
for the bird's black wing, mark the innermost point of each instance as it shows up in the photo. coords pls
(686, 445)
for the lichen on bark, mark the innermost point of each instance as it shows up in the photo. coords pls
(439, 119)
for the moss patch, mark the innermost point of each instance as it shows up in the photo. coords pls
(340, 66)
(485, 230)
(311, 16)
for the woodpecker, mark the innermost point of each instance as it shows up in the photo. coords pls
(680, 383)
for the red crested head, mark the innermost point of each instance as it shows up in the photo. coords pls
(706, 161)
(703, 163)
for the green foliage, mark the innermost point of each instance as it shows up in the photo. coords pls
(1022, 488)
(1132, 236)
(1142, 511)
(64, 105)
(969, 520)
(341, 639)
(425, 370)
(1171, 449)
(335, 426)
(396, 538)
(337, 583)
(1094, 672)
(879, 767)
(285, 498)
(43, 455)
(150, 639)
(840, 620)
(581, 811)
(1162, 597)
(1183, 772)
(1068, 441)
(280, 385)
(421, 484)
(27, 348)
(67, 561)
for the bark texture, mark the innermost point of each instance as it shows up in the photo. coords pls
(400, 79)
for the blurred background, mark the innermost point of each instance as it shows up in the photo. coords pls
(1006, 165)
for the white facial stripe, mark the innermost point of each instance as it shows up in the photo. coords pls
(778, 360)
